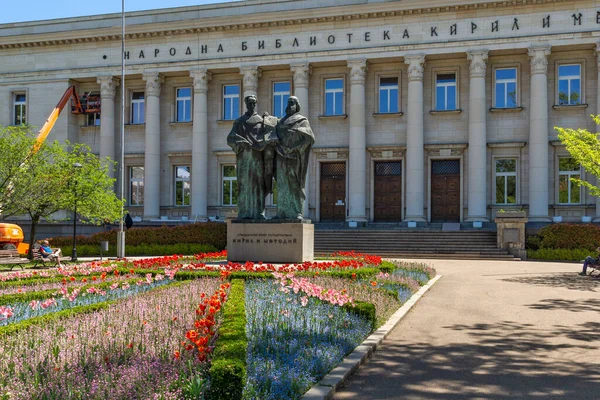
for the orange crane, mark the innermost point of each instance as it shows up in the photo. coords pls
(88, 104)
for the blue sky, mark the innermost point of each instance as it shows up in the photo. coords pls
(33, 10)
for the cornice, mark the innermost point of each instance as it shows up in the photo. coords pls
(274, 19)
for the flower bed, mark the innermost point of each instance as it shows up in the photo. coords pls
(294, 340)
(124, 351)
(164, 328)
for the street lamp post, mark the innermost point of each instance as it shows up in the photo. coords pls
(76, 166)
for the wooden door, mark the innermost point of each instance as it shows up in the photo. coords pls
(388, 192)
(445, 191)
(333, 192)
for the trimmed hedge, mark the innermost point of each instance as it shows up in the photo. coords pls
(566, 236)
(208, 233)
(93, 250)
(363, 309)
(228, 363)
(560, 254)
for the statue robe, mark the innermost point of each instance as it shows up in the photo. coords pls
(291, 164)
(247, 141)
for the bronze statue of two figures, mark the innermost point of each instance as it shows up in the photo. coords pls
(268, 148)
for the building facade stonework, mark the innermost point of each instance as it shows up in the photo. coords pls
(421, 111)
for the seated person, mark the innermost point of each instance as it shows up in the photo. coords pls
(46, 252)
(590, 261)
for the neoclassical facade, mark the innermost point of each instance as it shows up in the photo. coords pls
(423, 111)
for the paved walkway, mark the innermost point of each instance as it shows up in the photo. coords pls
(492, 330)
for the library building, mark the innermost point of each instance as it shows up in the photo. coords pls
(422, 111)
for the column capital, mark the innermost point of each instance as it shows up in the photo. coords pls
(477, 63)
(416, 64)
(108, 86)
(153, 82)
(539, 59)
(358, 71)
(201, 78)
(302, 73)
(251, 75)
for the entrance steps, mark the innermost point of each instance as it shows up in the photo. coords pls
(410, 243)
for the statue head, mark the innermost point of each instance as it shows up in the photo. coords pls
(250, 103)
(293, 106)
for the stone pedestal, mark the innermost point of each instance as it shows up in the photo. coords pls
(511, 233)
(279, 242)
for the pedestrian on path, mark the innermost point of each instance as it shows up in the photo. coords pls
(589, 261)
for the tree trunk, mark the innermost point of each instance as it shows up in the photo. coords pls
(35, 220)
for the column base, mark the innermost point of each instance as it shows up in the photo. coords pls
(414, 219)
(355, 222)
(540, 219)
(477, 219)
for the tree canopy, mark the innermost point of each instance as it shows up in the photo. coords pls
(42, 183)
(584, 147)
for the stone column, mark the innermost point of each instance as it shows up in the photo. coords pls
(597, 219)
(251, 75)
(200, 144)
(415, 187)
(477, 137)
(538, 135)
(357, 158)
(301, 79)
(108, 86)
(152, 148)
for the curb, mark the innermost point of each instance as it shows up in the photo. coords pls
(325, 388)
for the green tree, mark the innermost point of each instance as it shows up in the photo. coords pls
(16, 143)
(47, 182)
(584, 147)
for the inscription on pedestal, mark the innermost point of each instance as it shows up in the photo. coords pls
(270, 242)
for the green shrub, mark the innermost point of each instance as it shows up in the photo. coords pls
(566, 236)
(560, 254)
(209, 233)
(228, 363)
(365, 310)
(93, 250)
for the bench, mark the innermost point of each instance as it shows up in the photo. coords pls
(38, 259)
(12, 257)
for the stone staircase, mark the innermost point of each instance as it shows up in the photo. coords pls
(429, 242)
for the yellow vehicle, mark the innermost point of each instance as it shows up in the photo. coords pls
(11, 238)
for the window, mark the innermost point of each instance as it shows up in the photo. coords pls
(137, 107)
(569, 84)
(506, 181)
(231, 102)
(506, 87)
(445, 92)
(334, 96)
(184, 104)
(136, 186)
(20, 103)
(230, 187)
(182, 186)
(568, 191)
(388, 95)
(281, 93)
(92, 119)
